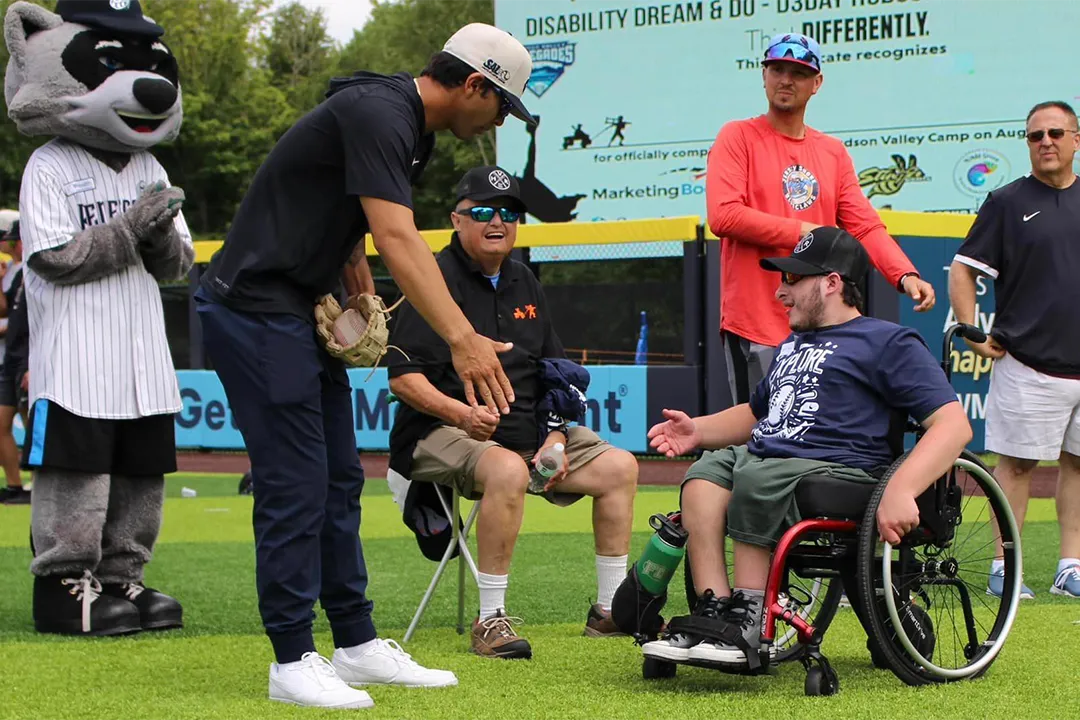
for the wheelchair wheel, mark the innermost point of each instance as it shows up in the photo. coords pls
(926, 599)
(819, 598)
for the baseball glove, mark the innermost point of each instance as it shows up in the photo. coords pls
(358, 334)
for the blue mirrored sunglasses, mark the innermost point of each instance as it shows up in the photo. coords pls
(485, 214)
(793, 51)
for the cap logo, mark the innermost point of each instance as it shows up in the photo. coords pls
(496, 70)
(120, 4)
(499, 180)
(806, 242)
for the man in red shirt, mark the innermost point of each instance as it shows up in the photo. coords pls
(771, 179)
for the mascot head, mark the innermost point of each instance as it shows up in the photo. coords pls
(95, 72)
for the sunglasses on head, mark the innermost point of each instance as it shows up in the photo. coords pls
(792, 51)
(485, 214)
(1055, 134)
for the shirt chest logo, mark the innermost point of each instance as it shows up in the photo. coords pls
(529, 313)
(79, 186)
(801, 188)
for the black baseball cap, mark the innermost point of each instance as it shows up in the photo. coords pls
(13, 233)
(822, 251)
(120, 16)
(488, 183)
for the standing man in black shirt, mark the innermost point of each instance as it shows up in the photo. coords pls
(439, 438)
(13, 380)
(1027, 238)
(345, 169)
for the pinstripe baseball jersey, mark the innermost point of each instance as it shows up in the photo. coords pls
(97, 349)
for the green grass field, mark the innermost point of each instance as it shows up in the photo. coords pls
(217, 666)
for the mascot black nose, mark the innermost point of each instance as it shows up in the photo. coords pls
(157, 96)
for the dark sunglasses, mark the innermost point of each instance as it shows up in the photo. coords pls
(792, 51)
(506, 106)
(485, 214)
(1054, 133)
(790, 278)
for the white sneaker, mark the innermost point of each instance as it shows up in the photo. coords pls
(312, 682)
(385, 663)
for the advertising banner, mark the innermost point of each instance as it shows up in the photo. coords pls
(929, 96)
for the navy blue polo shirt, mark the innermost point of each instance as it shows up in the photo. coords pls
(1026, 236)
(511, 309)
(301, 219)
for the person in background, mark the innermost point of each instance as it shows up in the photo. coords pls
(13, 371)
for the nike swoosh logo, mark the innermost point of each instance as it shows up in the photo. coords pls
(1028, 217)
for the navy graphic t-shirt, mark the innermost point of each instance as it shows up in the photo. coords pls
(831, 393)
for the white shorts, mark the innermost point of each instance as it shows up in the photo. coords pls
(1031, 415)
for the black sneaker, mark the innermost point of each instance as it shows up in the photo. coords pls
(76, 606)
(675, 646)
(157, 611)
(14, 496)
(742, 614)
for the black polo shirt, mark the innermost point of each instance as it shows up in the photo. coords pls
(516, 312)
(17, 339)
(301, 219)
(1027, 237)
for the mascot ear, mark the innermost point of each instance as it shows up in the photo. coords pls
(23, 19)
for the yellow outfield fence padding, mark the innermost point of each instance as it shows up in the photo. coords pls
(675, 229)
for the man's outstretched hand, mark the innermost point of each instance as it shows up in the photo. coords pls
(677, 435)
(921, 292)
(477, 364)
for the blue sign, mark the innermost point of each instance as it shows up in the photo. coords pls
(970, 372)
(616, 409)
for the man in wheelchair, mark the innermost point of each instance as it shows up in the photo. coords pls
(826, 407)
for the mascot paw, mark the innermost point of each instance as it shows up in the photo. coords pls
(157, 611)
(76, 606)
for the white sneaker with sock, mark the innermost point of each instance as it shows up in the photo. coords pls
(383, 662)
(312, 682)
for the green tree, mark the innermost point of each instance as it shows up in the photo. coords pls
(299, 54)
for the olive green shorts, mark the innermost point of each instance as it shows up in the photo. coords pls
(762, 503)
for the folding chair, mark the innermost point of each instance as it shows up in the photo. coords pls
(399, 486)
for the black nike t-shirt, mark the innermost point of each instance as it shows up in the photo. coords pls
(301, 219)
(1026, 236)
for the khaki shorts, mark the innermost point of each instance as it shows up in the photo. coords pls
(448, 456)
(762, 503)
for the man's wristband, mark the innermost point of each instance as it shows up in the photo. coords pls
(905, 276)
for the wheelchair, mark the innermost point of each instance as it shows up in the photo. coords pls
(923, 603)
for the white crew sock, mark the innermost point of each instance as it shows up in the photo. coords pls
(1066, 563)
(610, 572)
(996, 566)
(492, 593)
(357, 650)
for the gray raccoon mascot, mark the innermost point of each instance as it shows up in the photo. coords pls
(100, 227)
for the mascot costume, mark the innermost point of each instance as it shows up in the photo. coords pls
(101, 226)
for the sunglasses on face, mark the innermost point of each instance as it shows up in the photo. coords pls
(790, 278)
(485, 214)
(505, 107)
(1055, 134)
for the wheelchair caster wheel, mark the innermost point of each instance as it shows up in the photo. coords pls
(821, 681)
(653, 669)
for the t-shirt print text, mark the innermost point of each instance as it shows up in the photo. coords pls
(801, 188)
(793, 391)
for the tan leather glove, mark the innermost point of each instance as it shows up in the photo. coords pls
(358, 334)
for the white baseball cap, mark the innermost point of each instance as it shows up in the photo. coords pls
(500, 57)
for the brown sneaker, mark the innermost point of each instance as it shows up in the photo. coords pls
(600, 624)
(495, 638)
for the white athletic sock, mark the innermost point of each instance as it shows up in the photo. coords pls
(492, 593)
(357, 650)
(610, 572)
(1066, 563)
(996, 566)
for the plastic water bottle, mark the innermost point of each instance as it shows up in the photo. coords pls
(187, 492)
(662, 554)
(550, 462)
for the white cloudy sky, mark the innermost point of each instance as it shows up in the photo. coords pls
(343, 16)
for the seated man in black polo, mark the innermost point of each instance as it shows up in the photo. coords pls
(825, 407)
(437, 437)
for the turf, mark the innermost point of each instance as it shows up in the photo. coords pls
(216, 667)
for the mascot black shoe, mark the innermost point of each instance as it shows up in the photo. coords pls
(101, 228)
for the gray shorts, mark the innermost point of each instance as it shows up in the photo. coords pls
(747, 362)
(762, 503)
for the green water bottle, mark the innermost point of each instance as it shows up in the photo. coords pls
(662, 555)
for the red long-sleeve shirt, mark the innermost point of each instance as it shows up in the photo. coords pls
(760, 187)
